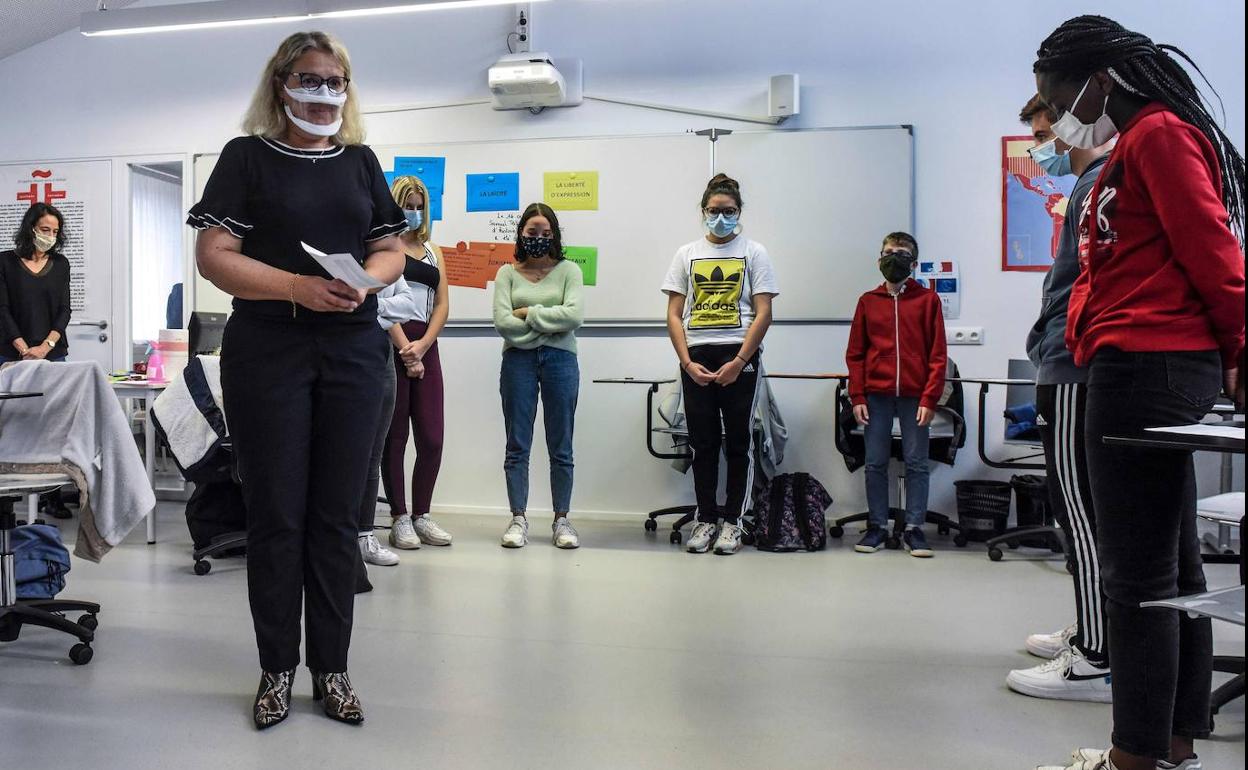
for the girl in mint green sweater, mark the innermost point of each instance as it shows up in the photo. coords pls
(538, 306)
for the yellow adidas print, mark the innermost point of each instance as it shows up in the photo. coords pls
(717, 287)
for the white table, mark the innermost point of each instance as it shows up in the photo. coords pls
(146, 392)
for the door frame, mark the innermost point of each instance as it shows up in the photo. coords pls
(122, 258)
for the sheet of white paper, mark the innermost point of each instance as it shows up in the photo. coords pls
(344, 268)
(1213, 429)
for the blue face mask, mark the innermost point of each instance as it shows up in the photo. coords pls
(722, 226)
(1048, 158)
(414, 219)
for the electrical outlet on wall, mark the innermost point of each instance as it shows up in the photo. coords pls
(964, 335)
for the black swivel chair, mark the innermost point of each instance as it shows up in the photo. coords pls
(947, 436)
(47, 613)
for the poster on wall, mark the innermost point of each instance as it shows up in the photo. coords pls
(1033, 207)
(942, 278)
(73, 192)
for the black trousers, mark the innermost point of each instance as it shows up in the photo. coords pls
(718, 415)
(1145, 500)
(302, 403)
(1064, 409)
(368, 504)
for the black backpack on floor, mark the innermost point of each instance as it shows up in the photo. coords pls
(788, 515)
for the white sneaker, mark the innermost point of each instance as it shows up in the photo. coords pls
(403, 534)
(1098, 759)
(729, 540)
(1085, 759)
(701, 537)
(1049, 646)
(429, 532)
(1069, 676)
(563, 535)
(375, 553)
(517, 534)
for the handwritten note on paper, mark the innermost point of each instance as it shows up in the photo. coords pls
(493, 192)
(503, 226)
(571, 190)
(344, 267)
(587, 258)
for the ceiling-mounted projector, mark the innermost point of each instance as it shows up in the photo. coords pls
(529, 80)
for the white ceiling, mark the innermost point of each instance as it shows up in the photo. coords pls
(26, 22)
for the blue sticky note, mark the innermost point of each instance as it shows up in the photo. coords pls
(431, 170)
(493, 192)
(435, 204)
(390, 175)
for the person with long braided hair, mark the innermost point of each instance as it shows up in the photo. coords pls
(1157, 314)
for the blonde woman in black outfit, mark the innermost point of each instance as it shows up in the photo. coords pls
(34, 289)
(303, 357)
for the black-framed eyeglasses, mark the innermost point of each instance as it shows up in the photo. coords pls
(729, 212)
(310, 81)
(899, 254)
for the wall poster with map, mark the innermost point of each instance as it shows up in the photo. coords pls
(1033, 207)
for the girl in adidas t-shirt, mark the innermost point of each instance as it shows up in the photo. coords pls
(719, 293)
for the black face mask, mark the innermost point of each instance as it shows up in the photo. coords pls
(533, 246)
(896, 267)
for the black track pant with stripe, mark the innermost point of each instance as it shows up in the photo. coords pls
(705, 406)
(1063, 409)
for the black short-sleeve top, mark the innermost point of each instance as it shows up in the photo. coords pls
(273, 196)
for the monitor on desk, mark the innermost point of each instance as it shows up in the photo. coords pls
(205, 330)
(1020, 396)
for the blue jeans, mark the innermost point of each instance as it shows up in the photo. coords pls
(879, 440)
(555, 375)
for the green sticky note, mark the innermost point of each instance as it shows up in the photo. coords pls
(587, 258)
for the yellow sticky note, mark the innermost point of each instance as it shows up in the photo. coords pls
(571, 190)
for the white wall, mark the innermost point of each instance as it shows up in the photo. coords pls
(957, 72)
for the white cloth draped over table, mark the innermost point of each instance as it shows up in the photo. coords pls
(78, 428)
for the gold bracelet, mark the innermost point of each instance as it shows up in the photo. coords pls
(294, 306)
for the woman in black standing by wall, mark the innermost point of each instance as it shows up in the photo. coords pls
(34, 289)
(303, 357)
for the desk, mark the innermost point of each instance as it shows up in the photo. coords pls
(9, 396)
(984, 384)
(141, 390)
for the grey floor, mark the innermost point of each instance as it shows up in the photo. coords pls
(624, 654)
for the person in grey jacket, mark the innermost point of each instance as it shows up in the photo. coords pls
(1079, 665)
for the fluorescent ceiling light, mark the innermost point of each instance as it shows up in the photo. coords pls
(237, 13)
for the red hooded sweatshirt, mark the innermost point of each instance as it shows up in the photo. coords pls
(907, 327)
(1162, 270)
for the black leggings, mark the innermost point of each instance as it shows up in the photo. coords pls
(717, 415)
(1161, 660)
(303, 400)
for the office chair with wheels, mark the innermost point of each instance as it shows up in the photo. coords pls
(948, 434)
(47, 613)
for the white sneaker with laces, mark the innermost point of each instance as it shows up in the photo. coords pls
(1069, 676)
(701, 537)
(375, 553)
(429, 532)
(563, 535)
(1049, 646)
(1094, 759)
(1098, 759)
(729, 540)
(403, 534)
(517, 534)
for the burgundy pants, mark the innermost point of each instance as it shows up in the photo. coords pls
(418, 404)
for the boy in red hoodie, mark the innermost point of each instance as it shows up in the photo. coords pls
(897, 359)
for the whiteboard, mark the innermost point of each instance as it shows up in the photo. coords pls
(819, 200)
